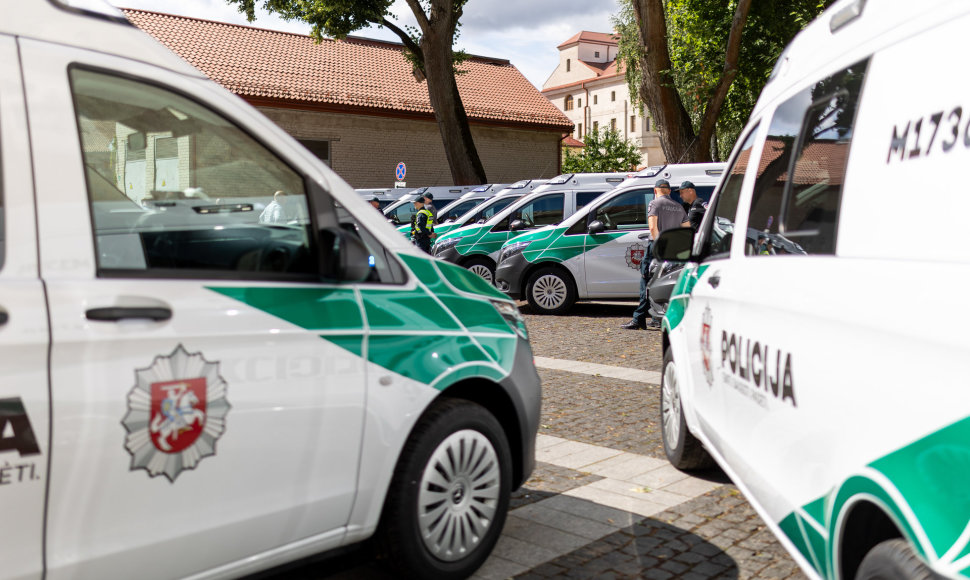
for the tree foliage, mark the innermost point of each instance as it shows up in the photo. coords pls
(697, 36)
(602, 151)
(429, 49)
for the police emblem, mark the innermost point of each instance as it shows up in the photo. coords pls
(634, 255)
(706, 345)
(176, 413)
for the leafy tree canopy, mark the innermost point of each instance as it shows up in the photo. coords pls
(603, 151)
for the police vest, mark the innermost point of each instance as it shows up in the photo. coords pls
(422, 214)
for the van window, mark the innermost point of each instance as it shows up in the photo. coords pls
(627, 211)
(716, 241)
(584, 198)
(544, 211)
(176, 190)
(458, 210)
(797, 194)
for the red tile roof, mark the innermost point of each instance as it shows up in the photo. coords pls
(354, 74)
(602, 70)
(593, 37)
(570, 141)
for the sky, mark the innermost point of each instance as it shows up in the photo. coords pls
(525, 32)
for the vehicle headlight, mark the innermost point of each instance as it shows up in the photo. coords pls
(512, 249)
(512, 316)
(445, 244)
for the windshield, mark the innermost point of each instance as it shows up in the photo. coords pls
(482, 213)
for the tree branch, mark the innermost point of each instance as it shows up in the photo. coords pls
(713, 109)
(405, 38)
(419, 15)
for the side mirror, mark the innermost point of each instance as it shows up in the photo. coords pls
(343, 256)
(596, 227)
(674, 245)
(517, 225)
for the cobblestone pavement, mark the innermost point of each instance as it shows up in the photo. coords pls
(711, 536)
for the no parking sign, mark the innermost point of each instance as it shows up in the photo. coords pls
(400, 171)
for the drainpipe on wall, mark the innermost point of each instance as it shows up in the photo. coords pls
(587, 113)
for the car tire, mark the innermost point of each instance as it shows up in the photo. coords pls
(550, 291)
(683, 450)
(894, 560)
(483, 267)
(454, 474)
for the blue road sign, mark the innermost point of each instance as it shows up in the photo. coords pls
(400, 171)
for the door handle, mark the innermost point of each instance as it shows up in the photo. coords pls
(714, 279)
(116, 313)
(4, 317)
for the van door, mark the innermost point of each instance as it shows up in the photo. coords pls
(700, 306)
(198, 411)
(24, 402)
(612, 258)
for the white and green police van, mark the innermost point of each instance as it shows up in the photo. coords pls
(816, 346)
(191, 387)
(594, 254)
(461, 206)
(477, 246)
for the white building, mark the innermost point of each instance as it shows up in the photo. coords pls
(591, 90)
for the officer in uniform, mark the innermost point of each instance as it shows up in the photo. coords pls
(422, 226)
(429, 205)
(695, 215)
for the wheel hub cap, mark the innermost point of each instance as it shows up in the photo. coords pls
(670, 405)
(458, 495)
(549, 291)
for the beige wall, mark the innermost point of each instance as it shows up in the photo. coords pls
(366, 149)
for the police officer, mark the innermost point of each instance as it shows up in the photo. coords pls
(695, 214)
(663, 214)
(422, 226)
(375, 202)
(429, 205)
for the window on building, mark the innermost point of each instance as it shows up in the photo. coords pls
(567, 65)
(596, 126)
(568, 103)
(596, 99)
(613, 124)
(646, 123)
(579, 103)
(579, 131)
(612, 95)
(319, 148)
(633, 123)
(597, 54)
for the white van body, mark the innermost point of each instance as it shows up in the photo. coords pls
(821, 357)
(191, 387)
(577, 263)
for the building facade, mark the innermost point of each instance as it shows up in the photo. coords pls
(590, 88)
(356, 104)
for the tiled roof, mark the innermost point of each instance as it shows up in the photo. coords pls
(354, 73)
(594, 37)
(570, 141)
(602, 70)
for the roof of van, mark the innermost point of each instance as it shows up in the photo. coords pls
(106, 32)
(838, 36)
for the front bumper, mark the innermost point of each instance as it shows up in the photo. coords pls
(509, 273)
(449, 254)
(524, 388)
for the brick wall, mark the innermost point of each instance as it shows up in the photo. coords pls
(366, 149)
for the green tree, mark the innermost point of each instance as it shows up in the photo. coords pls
(602, 151)
(430, 50)
(699, 65)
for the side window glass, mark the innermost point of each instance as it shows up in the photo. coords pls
(716, 241)
(178, 190)
(584, 198)
(797, 194)
(627, 211)
(384, 268)
(457, 211)
(544, 211)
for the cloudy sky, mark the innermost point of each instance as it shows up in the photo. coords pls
(525, 32)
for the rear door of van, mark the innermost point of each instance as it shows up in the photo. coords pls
(24, 338)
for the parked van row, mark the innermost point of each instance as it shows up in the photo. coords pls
(187, 391)
(786, 358)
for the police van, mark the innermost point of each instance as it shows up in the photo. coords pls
(703, 175)
(844, 418)
(385, 196)
(401, 211)
(189, 388)
(476, 247)
(596, 253)
(459, 207)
